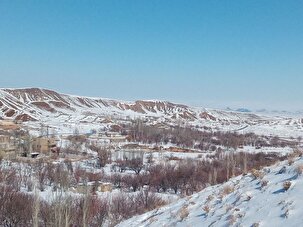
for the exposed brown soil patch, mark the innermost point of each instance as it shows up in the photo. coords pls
(187, 115)
(10, 113)
(44, 106)
(137, 107)
(207, 116)
(35, 95)
(25, 117)
(61, 104)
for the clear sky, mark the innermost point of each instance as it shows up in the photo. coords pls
(237, 53)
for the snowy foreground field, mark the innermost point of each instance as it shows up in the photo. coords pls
(260, 198)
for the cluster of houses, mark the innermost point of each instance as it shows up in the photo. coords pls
(15, 141)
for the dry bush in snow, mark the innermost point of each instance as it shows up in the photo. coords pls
(290, 160)
(183, 212)
(226, 190)
(264, 183)
(206, 209)
(299, 169)
(286, 185)
(257, 174)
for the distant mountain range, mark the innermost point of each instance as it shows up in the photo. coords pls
(268, 112)
(33, 104)
(53, 108)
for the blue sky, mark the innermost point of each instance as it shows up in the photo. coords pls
(204, 53)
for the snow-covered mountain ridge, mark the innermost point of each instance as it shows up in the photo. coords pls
(258, 199)
(53, 108)
(34, 102)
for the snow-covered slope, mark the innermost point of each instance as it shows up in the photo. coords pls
(53, 108)
(36, 102)
(243, 201)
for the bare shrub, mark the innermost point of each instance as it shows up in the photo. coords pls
(209, 198)
(135, 164)
(149, 200)
(299, 169)
(104, 155)
(29, 185)
(11, 178)
(232, 219)
(226, 190)
(290, 160)
(248, 197)
(132, 182)
(183, 212)
(257, 174)
(229, 207)
(69, 165)
(79, 174)
(62, 178)
(41, 175)
(120, 208)
(264, 183)
(116, 179)
(121, 165)
(99, 212)
(15, 207)
(206, 209)
(123, 206)
(297, 152)
(150, 158)
(286, 185)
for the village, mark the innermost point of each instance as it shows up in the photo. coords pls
(15, 140)
(17, 144)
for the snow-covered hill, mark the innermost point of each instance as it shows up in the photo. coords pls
(242, 201)
(61, 110)
(36, 102)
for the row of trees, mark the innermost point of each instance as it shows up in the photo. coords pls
(183, 176)
(192, 138)
(22, 209)
(189, 176)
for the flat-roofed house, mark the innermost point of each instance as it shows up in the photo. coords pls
(43, 144)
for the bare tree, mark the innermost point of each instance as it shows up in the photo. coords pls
(135, 164)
